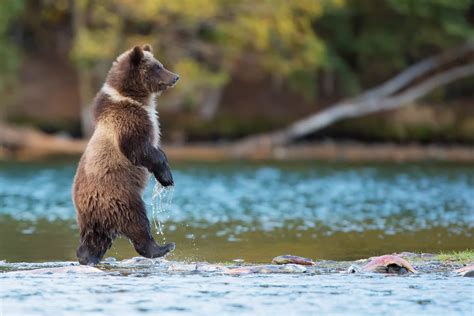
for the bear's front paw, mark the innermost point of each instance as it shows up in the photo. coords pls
(164, 177)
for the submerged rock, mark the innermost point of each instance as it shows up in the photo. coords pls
(267, 269)
(60, 270)
(293, 268)
(388, 264)
(467, 271)
(142, 261)
(182, 267)
(286, 259)
(109, 260)
(206, 267)
(353, 269)
(195, 267)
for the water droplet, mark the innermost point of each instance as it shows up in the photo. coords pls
(162, 198)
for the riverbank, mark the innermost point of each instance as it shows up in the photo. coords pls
(419, 263)
(330, 151)
(29, 144)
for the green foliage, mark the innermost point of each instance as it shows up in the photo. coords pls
(369, 41)
(9, 53)
(466, 256)
(199, 78)
(206, 42)
(362, 41)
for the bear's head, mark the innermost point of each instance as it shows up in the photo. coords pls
(137, 73)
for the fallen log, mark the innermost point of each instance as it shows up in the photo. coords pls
(24, 142)
(397, 92)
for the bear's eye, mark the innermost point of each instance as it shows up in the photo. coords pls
(157, 67)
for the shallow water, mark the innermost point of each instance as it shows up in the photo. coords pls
(257, 211)
(137, 290)
(254, 212)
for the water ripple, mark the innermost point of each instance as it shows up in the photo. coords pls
(342, 198)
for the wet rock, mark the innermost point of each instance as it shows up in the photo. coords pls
(182, 267)
(60, 270)
(142, 261)
(109, 260)
(414, 256)
(428, 255)
(267, 269)
(467, 271)
(133, 261)
(242, 270)
(286, 259)
(388, 264)
(293, 268)
(209, 268)
(354, 269)
(406, 254)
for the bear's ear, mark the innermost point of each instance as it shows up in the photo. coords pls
(136, 55)
(147, 47)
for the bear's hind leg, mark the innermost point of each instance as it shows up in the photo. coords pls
(139, 234)
(93, 248)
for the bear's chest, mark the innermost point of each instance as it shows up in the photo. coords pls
(155, 126)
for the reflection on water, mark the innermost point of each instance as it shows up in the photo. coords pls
(256, 211)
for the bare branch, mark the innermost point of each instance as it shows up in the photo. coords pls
(355, 108)
(416, 71)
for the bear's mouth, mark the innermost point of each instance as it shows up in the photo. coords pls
(164, 86)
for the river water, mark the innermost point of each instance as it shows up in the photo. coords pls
(254, 212)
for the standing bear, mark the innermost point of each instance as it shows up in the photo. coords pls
(122, 152)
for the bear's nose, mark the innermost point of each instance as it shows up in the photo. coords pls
(176, 78)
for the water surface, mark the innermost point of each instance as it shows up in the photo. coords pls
(253, 212)
(159, 293)
(221, 212)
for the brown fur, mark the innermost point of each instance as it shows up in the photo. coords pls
(119, 157)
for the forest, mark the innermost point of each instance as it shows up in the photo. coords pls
(247, 67)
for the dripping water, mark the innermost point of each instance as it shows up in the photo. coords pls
(162, 198)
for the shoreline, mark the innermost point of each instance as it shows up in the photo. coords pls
(424, 263)
(29, 144)
(323, 151)
(330, 151)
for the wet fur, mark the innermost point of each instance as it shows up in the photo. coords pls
(119, 158)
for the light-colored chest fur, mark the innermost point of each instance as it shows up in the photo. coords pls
(153, 117)
(150, 107)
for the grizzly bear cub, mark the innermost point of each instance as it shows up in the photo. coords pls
(121, 154)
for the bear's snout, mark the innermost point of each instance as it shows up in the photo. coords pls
(175, 79)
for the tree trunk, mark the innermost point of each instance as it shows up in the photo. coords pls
(373, 104)
(418, 70)
(85, 75)
(211, 103)
(392, 94)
